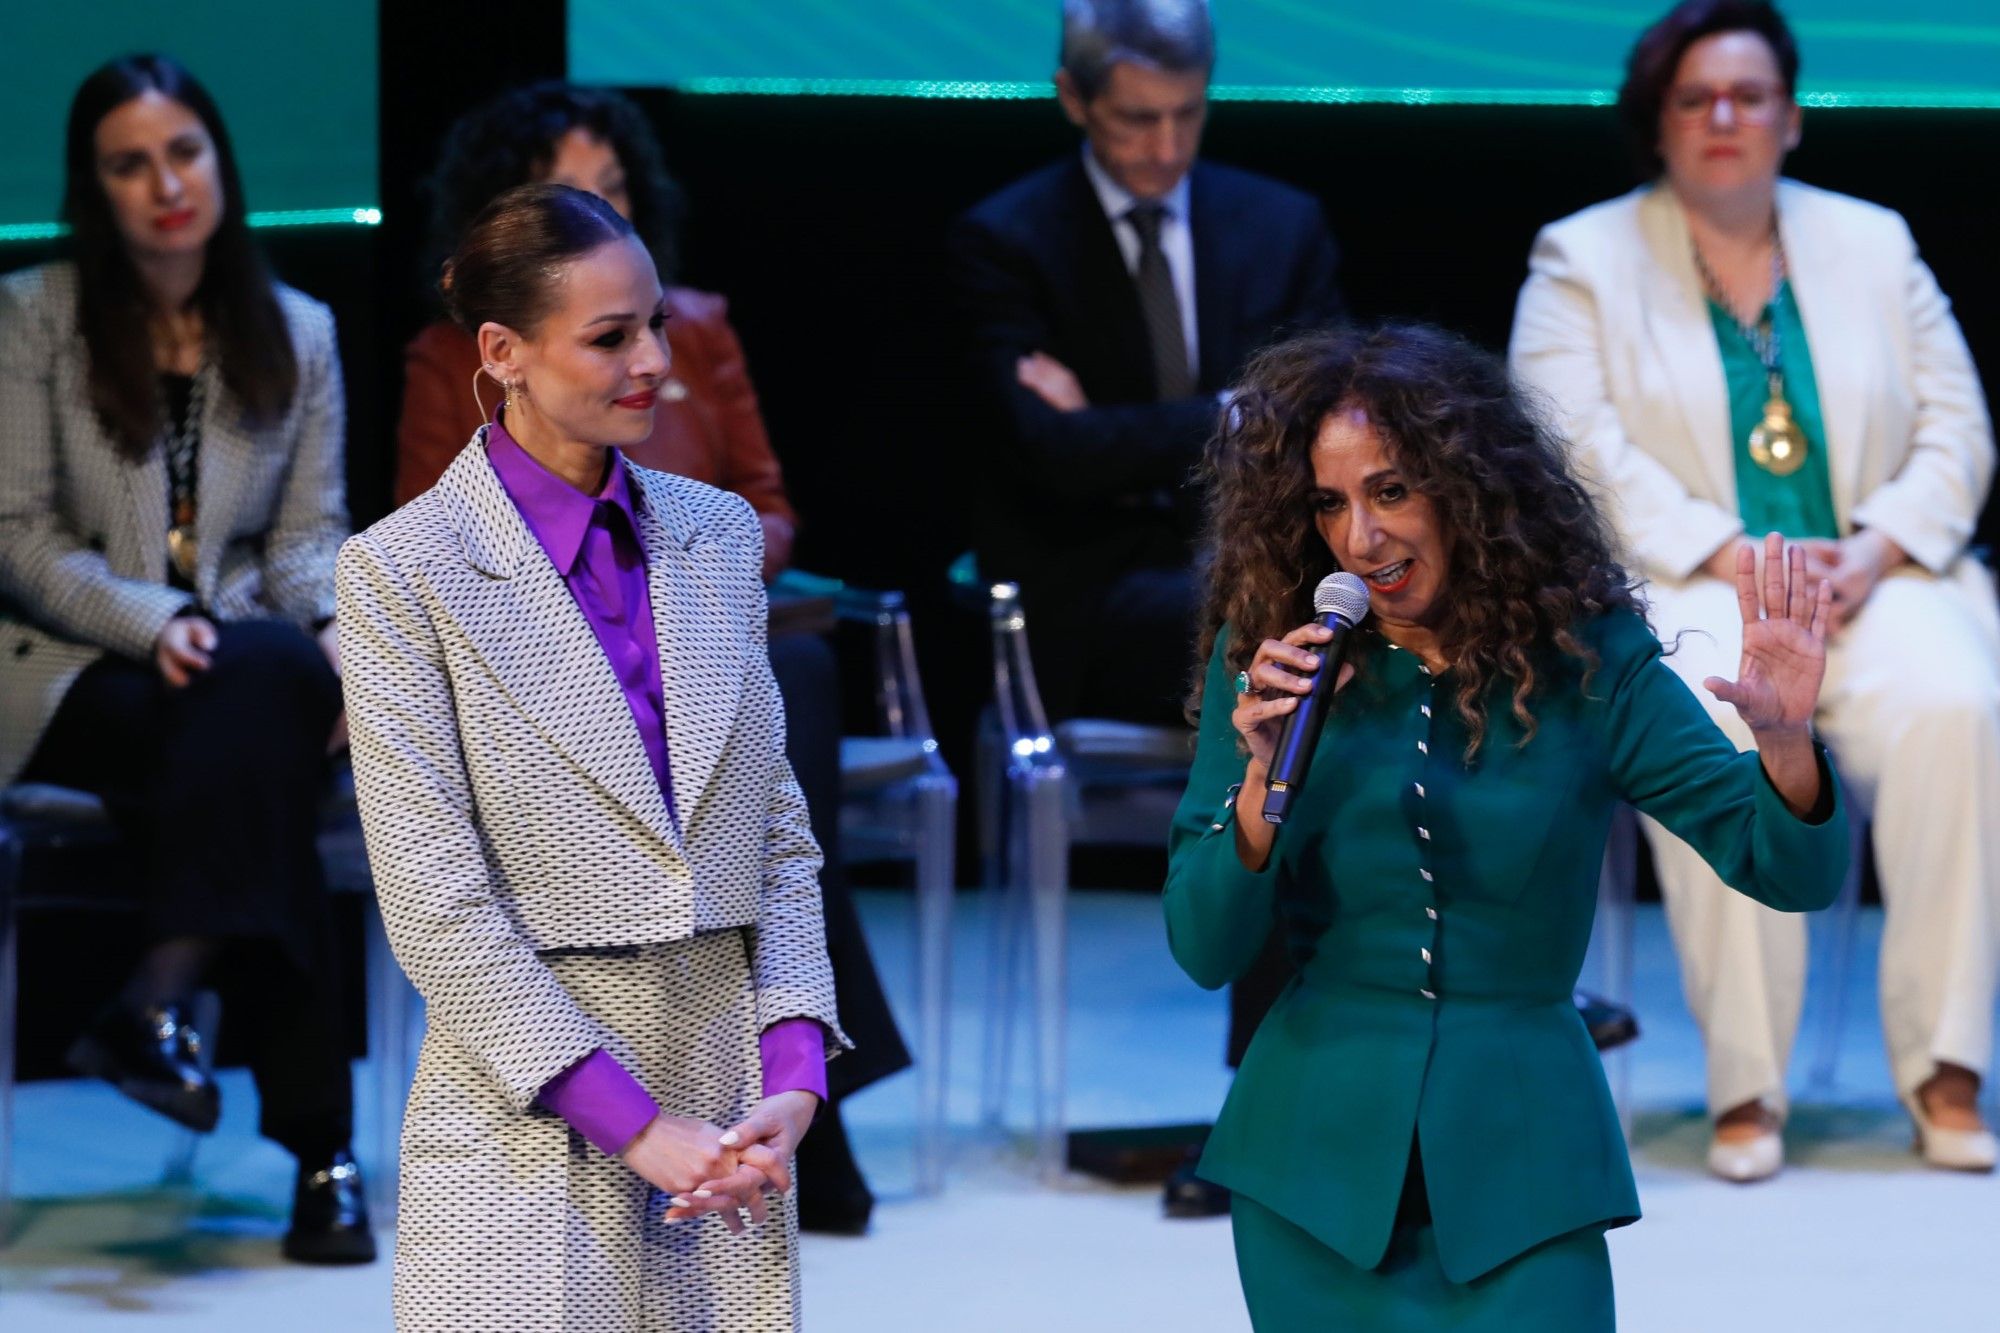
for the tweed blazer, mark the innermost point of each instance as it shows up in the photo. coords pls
(83, 530)
(506, 797)
(1613, 329)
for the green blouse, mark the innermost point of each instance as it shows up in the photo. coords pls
(1439, 912)
(1800, 505)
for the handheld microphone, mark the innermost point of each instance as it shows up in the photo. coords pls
(1341, 601)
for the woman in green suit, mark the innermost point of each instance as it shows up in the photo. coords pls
(1420, 1137)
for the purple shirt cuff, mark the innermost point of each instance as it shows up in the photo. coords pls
(794, 1054)
(601, 1101)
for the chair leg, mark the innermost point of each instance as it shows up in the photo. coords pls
(10, 878)
(389, 997)
(1836, 965)
(1005, 895)
(1047, 870)
(937, 808)
(1611, 942)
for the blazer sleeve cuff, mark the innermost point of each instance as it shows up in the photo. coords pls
(1921, 538)
(1801, 862)
(1697, 531)
(1218, 909)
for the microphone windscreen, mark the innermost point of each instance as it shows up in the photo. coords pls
(1343, 594)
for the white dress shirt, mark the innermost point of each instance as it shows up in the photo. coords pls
(1176, 242)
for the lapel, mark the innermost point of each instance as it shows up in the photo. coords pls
(520, 619)
(1112, 328)
(1834, 307)
(1683, 340)
(1213, 280)
(702, 648)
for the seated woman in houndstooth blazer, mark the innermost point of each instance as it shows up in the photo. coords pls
(171, 500)
(592, 857)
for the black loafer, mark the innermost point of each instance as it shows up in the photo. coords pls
(1611, 1024)
(152, 1056)
(330, 1216)
(1188, 1195)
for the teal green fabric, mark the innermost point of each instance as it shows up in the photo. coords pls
(1291, 1282)
(1800, 505)
(1496, 1077)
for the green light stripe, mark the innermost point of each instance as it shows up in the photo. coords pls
(288, 217)
(983, 90)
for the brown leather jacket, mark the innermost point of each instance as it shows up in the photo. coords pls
(709, 428)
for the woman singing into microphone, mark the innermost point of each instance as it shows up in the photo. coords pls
(1421, 1129)
(591, 854)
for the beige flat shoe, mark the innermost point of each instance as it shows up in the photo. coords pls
(1952, 1149)
(1748, 1160)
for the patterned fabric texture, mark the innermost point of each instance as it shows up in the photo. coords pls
(682, 1017)
(83, 532)
(512, 819)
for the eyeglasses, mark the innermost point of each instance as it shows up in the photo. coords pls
(1751, 103)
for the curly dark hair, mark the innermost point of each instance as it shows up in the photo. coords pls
(1531, 555)
(511, 141)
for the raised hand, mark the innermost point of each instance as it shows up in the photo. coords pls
(1784, 641)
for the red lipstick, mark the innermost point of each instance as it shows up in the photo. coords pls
(639, 402)
(173, 221)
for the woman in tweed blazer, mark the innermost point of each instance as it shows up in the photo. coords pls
(592, 857)
(170, 506)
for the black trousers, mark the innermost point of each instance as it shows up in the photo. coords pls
(809, 681)
(218, 786)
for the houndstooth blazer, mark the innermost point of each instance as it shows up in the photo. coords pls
(83, 531)
(507, 800)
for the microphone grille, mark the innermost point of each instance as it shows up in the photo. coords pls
(1344, 594)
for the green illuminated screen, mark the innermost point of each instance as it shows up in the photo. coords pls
(1924, 52)
(296, 84)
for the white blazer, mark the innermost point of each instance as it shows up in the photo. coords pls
(1612, 328)
(507, 799)
(83, 528)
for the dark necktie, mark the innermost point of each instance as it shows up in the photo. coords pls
(1160, 306)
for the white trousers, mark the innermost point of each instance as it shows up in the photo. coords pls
(1910, 710)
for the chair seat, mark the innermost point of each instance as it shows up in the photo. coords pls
(1099, 748)
(869, 763)
(44, 812)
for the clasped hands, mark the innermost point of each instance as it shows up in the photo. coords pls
(1853, 566)
(704, 1169)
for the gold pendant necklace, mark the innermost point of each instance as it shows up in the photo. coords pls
(1776, 443)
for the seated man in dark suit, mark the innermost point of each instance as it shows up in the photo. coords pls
(1112, 296)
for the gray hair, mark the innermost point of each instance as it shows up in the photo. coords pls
(1171, 35)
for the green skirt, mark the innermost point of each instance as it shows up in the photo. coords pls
(1294, 1284)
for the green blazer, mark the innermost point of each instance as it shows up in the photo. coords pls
(1439, 913)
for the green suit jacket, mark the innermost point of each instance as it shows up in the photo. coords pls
(1439, 913)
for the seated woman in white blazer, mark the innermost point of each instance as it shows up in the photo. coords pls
(592, 857)
(1734, 354)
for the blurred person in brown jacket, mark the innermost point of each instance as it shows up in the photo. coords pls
(706, 426)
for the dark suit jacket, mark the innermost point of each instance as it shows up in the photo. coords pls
(1080, 498)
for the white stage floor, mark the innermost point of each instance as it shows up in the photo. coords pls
(1857, 1236)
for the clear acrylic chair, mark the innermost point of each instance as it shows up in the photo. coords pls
(1043, 790)
(899, 802)
(46, 818)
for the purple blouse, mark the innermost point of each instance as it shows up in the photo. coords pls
(594, 543)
